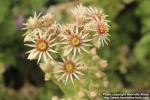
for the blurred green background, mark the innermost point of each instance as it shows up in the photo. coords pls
(128, 54)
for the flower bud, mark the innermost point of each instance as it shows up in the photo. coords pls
(54, 98)
(106, 83)
(93, 51)
(81, 94)
(98, 74)
(103, 63)
(93, 93)
(46, 67)
(47, 76)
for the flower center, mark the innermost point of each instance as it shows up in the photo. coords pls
(42, 45)
(75, 41)
(69, 67)
(102, 29)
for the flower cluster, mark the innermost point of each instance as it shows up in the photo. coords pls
(59, 48)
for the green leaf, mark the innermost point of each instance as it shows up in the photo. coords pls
(143, 8)
(37, 4)
(8, 31)
(4, 9)
(142, 50)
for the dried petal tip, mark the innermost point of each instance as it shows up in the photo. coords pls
(47, 20)
(80, 14)
(96, 14)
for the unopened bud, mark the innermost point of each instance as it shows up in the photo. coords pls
(96, 57)
(93, 94)
(46, 67)
(98, 74)
(103, 63)
(47, 76)
(93, 51)
(106, 83)
(54, 98)
(81, 94)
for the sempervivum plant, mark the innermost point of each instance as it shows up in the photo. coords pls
(67, 53)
